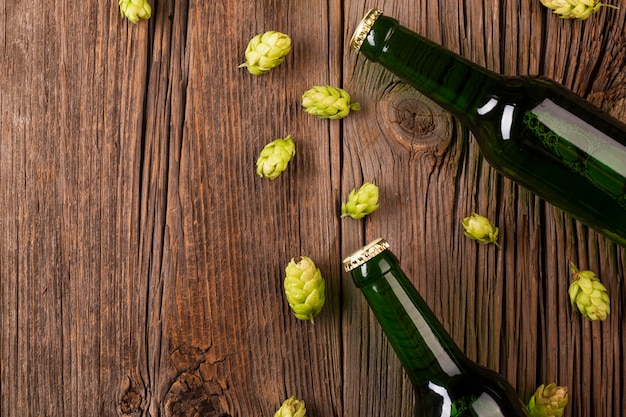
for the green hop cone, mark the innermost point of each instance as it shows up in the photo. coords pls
(304, 288)
(266, 51)
(133, 10)
(588, 295)
(574, 9)
(548, 401)
(361, 202)
(292, 407)
(480, 229)
(274, 157)
(328, 102)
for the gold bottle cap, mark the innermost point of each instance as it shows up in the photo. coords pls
(361, 30)
(364, 254)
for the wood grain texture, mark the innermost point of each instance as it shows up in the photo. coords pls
(507, 308)
(141, 258)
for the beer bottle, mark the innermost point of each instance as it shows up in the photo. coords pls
(531, 129)
(447, 383)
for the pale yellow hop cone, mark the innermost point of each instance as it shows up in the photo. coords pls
(361, 202)
(274, 157)
(480, 229)
(266, 51)
(291, 407)
(134, 10)
(304, 288)
(574, 9)
(588, 295)
(548, 401)
(328, 102)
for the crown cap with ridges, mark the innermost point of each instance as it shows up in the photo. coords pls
(364, 254)
(363, 28)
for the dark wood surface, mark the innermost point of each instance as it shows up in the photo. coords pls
(142, 259)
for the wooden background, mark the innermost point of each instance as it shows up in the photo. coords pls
(142, 259)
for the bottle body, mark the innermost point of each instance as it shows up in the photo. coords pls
(447, 383)
(531, 129)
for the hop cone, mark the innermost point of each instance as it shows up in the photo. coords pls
(266, 51)
(548, 401)
(327, 102)
(304, 288)
(588, 295)
(292, 407)
(480, 229)
(361, 202)
(274, 157)
(574, 9)
(134, 10)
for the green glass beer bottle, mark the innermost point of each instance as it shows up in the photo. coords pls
(531, 129)
(447, 383)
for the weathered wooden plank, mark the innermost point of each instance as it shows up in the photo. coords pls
(63, 166)
(507, 308)
(141, 258)
(229, 233)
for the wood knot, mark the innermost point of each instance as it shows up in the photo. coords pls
(404, 113)
(188, 397)
(130, 403)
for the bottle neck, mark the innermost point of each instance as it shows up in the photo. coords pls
(454, 83)
(426, 351)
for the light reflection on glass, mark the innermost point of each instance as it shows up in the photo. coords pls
(443, 358)
(487, 107)
(486, 406)
(507, 121)
(446, 406)
(582, 135)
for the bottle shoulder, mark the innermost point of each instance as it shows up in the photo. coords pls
(479, 392)
(525, 93)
